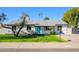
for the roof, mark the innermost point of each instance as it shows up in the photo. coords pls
(41, 22)
(50, 22)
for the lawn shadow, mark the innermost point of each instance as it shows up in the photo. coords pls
(20, 37)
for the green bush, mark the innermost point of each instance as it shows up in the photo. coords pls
(54, 33)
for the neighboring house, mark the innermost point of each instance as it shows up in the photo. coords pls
(40, 27)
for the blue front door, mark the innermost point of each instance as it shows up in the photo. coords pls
(37, 29)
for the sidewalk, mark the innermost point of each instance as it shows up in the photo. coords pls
(40, 45)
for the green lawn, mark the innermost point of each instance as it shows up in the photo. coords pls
(31, 38)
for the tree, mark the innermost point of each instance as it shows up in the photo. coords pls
(2, 17)
(25, 15)
(21, 25)
(71, 17)
(13, 27)
(46, 18)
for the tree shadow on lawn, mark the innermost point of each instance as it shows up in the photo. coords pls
(5, 37)
(29, 38)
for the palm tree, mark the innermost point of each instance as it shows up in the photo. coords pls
(40, 14)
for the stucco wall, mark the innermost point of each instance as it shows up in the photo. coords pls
(5, 31)
(56, 30)
(64, 29)
(24, 30)
(69, 31)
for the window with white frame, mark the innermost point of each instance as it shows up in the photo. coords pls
(46, 28)
(28, 28)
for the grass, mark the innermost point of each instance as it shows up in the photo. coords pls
(31, 38)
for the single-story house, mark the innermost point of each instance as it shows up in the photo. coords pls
(40, 27)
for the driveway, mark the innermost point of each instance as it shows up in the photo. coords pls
(74, 40)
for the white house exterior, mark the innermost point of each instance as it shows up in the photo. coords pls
(5, 31)
(39, 27)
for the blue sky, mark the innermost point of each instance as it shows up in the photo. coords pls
(54, 13)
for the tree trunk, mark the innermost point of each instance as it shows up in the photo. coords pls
(14, 30)
(22, 25)
(19, 30)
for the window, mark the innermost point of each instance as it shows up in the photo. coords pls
(28, 27)
(59, 28)
(46, 28)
